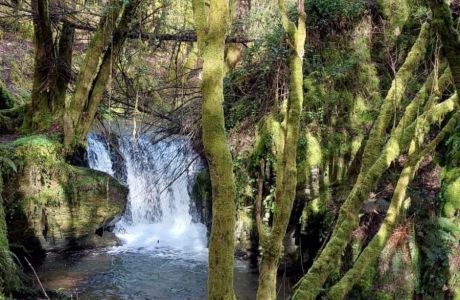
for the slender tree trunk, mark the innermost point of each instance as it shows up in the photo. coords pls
(100, 83)
(89, 71)
(211, 32)
(286, 175)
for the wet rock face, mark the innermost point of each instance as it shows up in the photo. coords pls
(51, 205)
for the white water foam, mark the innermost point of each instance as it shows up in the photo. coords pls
(158, 217)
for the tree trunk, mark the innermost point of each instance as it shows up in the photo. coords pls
(89, 71)
(52, 71)
(43, 90)
(450, 38)
(373, 250)
(211, 31)
(64, 62)
(286, 175)
(375, 161)
(96, 69)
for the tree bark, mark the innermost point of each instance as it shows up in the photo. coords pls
(450, 38)
(64, 62)
(286, 175)
(96, 69)
(211, 32)
(375, 161)
(44, 88)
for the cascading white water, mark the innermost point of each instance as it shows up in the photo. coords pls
(98, 154)
(158, 216)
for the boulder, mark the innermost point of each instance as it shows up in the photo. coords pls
(51, 205)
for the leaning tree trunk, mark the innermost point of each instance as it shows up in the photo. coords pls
(114, 51)
(211, 32)
(450, 39)
(373, 250)
(105, 47)
(375, 161)
(286, 175)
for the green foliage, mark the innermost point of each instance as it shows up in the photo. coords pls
(437, 240)
(249, 88)
(453, 147)
(336, 13)
(243, 181)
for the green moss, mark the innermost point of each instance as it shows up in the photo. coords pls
(7, 100)
(309, 156)
(451, 191)
(269, 140)
(396, 13)
(37, 149)
(329, 13)
(9, 280)
(57, 205)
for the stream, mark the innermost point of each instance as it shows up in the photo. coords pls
(163, 250)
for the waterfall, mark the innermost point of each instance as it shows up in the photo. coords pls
(159, 175)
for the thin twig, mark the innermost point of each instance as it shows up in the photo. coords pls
(38, 279)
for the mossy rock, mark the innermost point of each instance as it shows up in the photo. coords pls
(51, 205)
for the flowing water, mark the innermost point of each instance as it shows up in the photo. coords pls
(163, 254)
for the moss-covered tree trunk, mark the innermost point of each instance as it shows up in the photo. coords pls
(119, 37)
(105, 47)
(64, 62)
(211, 31)
(373, 250)
(90, 70)
(376, 159)
(44, 88)
(286, 175)
(450, 38)
(52, 70)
